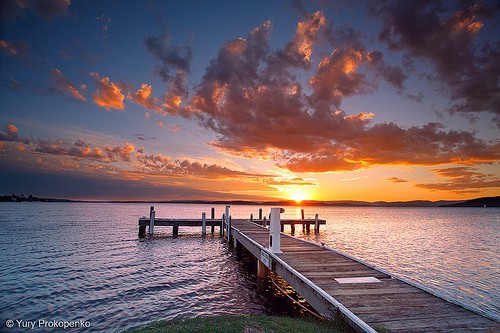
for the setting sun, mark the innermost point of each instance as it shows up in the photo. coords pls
(298, 196)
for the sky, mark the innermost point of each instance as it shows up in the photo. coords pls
(250, 100)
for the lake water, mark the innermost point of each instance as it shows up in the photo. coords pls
(83, 263)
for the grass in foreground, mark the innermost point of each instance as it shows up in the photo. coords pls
(245, 324)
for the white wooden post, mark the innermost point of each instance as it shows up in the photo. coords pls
(203, 223)
(151, 220)
(274, 230)
(316, 224)
(227, 223)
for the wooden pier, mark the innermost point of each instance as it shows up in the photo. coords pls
(175, 223)
(336, 284)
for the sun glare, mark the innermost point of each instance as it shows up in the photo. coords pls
(298, 196)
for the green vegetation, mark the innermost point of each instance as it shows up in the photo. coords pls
(245, 324)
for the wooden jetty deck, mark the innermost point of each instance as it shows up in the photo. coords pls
(367, 298)
(336, 284)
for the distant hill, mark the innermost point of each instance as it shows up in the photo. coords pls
(29, 198)
(479, 202)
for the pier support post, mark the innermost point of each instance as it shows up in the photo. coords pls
(316, 224)
(251, 217)
(151, 220)
(175, 231)
(303, 224)
(292, 227)
(223, 218)
(203, 223)
(142, 231)
(212, 216)
(264, 222)
(260, 213)
(274, 230)
(228, 236)
(262, 270)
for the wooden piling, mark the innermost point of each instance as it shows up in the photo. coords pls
(228, 236)
(212, 216)
(251, 217)
(264, 222)
(316, 224)
(302, 215)
(142, 231)
(260, 213)
(262, 270)
(203, 223)
(222, 220)
(175, 231)
(151, 220)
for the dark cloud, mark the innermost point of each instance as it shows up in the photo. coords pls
(47, 9)
(19, 49)
(172, 58)
(447, 37)
(62, 86)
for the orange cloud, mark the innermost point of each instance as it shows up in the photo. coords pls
(12, 129)
(81, 150)
(165, 165)
(10, 133)
(108, 94)
(306, 34)
(248, 97)
(462, 180)
(144, 98)
(396, 180)
(122, 152)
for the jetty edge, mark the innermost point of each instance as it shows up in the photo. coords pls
(341, 286)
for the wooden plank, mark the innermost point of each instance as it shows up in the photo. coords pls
(433, 325)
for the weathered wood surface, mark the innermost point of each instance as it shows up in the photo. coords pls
(390, 304)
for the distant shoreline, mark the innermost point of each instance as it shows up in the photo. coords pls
(478, 202)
